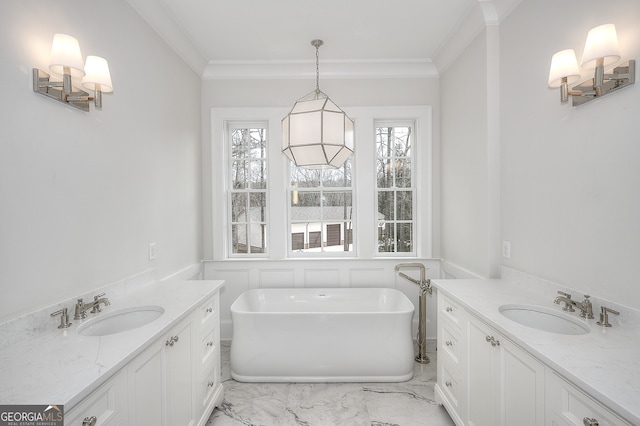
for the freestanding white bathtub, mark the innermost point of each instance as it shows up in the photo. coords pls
(322, 335)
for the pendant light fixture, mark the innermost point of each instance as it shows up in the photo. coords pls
(316, 133)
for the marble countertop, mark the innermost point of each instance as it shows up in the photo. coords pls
(604, 363)
(59, 366)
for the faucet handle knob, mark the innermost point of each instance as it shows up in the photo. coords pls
(98, 296)
(567, 295)
(604, 316)
(64, 318)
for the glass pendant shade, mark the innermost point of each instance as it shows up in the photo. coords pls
(602, 42)
(317, 133)
(563, 64)
(97, 75)
(65, 53)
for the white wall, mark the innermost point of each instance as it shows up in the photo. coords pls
(470, 160)
(83, 194)
(570, 201)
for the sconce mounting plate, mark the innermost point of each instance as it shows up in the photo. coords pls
(52, 89)
(621, 76)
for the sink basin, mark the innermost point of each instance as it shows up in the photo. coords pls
(545, 319)
(120, 320)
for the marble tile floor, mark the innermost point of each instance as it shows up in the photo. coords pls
(409, 403)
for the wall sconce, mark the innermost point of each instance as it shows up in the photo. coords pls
(66, 61)
(600, 50)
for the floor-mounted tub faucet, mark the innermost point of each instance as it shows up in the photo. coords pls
(425, 287)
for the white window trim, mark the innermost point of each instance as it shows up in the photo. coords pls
(365, 241)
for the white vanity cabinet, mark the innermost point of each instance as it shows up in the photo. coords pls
(483, 378)
(175, 381)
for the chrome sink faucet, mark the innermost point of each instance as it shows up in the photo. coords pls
(82, 308)
(568, 303)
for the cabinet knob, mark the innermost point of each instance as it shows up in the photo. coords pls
(209, 310)
(171, 341)
(590, 422)
(90, 421)
(448, 384)
(209, 343)
(448, 343)
(449, 309)
(494, 342)
(211, 384)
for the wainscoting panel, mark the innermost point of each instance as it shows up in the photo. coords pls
(320, 278)
(277, 278)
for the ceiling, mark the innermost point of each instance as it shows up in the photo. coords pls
(207, 33)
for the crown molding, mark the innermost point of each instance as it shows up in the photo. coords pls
(329, 69)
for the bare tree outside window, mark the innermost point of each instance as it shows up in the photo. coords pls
(248, 188)
(394, 189)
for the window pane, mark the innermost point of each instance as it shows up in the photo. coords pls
(404, 242)
(239, 241)
(258, 238)
(258, 206)
(238, 207)
(404, 205)
(336, 205)
(238, 175)
(307, 207)
(305, 178)
(403, 173)
(337, 177)
(386, 208)
(258, 174)
(402, 141)
(384, 169)
(386, 237)
(257, 143)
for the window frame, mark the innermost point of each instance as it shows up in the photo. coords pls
(415, 210)
(230, 126)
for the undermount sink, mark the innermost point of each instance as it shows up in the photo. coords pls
(545, 319)
(120, 320)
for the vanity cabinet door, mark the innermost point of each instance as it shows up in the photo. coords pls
(145, 390)
(161, 381)
(180, 377)
(505, 385)
(483, 374)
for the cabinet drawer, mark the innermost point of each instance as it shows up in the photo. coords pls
(209, 313)
(449, 310)
(449, 383)
(570, 406)
(209, 347)
(210, 384)
(108, 404)
(450, 344)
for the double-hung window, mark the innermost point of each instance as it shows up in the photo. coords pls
(247, 188)
(395, 191)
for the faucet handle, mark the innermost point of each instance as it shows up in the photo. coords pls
(586, 308)
(80, 312)
(64, 318)
(98, 296)
(567, 295)
(604, 316)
